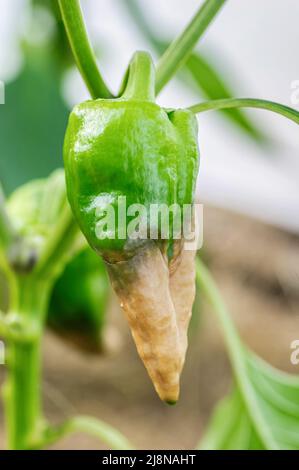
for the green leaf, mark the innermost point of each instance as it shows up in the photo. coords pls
(32, 121)
(213, 86)
(277, 395)
(35, 206)
(262, 411)
(48, 235)
(230, 427)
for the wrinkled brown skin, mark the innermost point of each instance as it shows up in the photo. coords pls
(157, 299)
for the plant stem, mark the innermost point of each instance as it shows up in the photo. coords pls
(16, 332)
(228, 103)
(87, 425)
(81, 48)
(22, 389)
(180, 49)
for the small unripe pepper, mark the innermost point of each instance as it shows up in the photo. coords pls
(131, 147)
(79, 301)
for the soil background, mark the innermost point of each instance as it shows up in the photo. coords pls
(257, 270)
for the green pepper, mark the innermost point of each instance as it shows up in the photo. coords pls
(79, 301)
(132, 148)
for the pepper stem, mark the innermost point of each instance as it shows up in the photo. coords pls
(139, 82)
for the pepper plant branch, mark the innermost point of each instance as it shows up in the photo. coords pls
(229, 103)
(21, 392)
(81, 48)
(235, 350)
(179, 50)
(87, 425)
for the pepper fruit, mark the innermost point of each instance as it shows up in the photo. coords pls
(133, 148)
(79, 302)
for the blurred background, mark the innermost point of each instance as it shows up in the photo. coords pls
(248, 182)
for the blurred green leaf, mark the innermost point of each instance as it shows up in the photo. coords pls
(262, 412)
(32, 121)
(214, 86)
(60, 47)
(79, 301)
(35, 206)
(277, 395)
(35, 209)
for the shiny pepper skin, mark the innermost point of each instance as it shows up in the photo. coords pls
(127, 148)
(133, 148)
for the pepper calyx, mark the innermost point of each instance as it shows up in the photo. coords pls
(139, 81)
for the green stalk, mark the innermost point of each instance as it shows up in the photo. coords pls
(140, 79)
(22, 390)
(81, 48)
(180, 49)
(229, 103)
(23, 327)
(87, 425)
